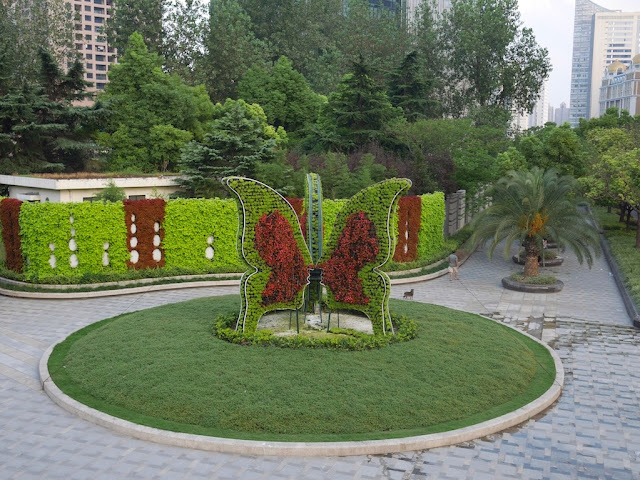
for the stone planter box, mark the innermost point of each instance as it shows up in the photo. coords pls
(528, 288)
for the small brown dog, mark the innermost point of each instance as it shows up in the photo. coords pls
(408, 295)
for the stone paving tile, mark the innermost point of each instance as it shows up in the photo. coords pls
(593, 431)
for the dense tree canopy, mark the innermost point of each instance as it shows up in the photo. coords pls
(146, 103)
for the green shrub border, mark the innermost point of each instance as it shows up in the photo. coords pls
(224, 328)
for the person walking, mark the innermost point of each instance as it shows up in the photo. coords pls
(454, 263)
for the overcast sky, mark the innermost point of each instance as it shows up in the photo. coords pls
(552, 24)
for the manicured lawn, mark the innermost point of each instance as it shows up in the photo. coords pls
(162, 367)
(622, 243)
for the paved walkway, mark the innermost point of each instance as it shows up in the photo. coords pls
(592, 432)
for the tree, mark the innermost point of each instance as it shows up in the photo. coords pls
(614, 169)
(283, 93)
(359, 109)
(40, 129)
(231, 48)
(146, 103)
(111, 193)
(489, 58)
(26, 27)
(142, 16)
(530, 206)
(186, 28)
(554, 147)
(239, 140)
(409, 90)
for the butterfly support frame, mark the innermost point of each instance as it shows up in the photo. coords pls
(279, 261)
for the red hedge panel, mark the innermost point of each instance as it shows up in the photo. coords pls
(9, 215)
(409, 211)
(147, 213)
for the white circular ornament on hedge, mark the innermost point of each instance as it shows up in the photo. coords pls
(157, 255)
(73, 246)
(134, 256)
(73, 261)
(133, 242)
(156, 240)
(209, 253)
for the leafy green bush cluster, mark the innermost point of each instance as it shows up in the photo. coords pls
(192, 226)
(537, 280)
(330, 210)
(3, 252)
(71, 239)
(431, 233)
(339, 339)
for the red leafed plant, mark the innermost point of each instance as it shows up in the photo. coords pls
(277, 246)
(147, 213)
(9, 214)
(409, 211)
(357, 245)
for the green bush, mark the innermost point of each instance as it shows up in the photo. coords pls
(330, 210)
(51, 230)
(537, 280)
(431, 234)
(190, 224)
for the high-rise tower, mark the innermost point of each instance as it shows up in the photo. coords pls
(581, 59)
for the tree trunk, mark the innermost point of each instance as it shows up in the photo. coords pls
(531, 266)
(623, 208)
(531, 251)
(638, 230)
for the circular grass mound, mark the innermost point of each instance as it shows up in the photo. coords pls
(163, 368)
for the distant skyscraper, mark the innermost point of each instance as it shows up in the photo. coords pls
(561, 114)
(540, 111)
(581, 59)
(600, 37)
(412, 5)
(621, 87)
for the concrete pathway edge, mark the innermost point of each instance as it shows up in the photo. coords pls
(307, 449)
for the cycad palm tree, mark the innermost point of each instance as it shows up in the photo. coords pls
(531, 206)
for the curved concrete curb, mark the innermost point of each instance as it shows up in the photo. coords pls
(120, 291)
(523, 287)
(305, 449)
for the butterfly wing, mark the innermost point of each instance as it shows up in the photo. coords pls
(271, 243)
(363, 239)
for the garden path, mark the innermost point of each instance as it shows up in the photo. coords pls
(593, 431)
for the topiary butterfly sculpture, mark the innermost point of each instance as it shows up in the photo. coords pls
(272, 243)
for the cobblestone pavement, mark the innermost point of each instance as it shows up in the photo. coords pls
(593, 431)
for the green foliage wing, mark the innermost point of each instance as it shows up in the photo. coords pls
(375, 205)
(256, 201)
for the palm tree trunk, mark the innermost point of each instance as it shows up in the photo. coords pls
(531, 266)
(531, 251)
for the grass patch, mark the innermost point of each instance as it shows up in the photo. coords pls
(163, 368)
(537, 280)
(622, 244)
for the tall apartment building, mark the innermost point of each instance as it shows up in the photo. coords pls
(600, 37)
(90, 18)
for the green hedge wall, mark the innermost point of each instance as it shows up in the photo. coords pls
(68, 239)
(432, 217)
(190, 224)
